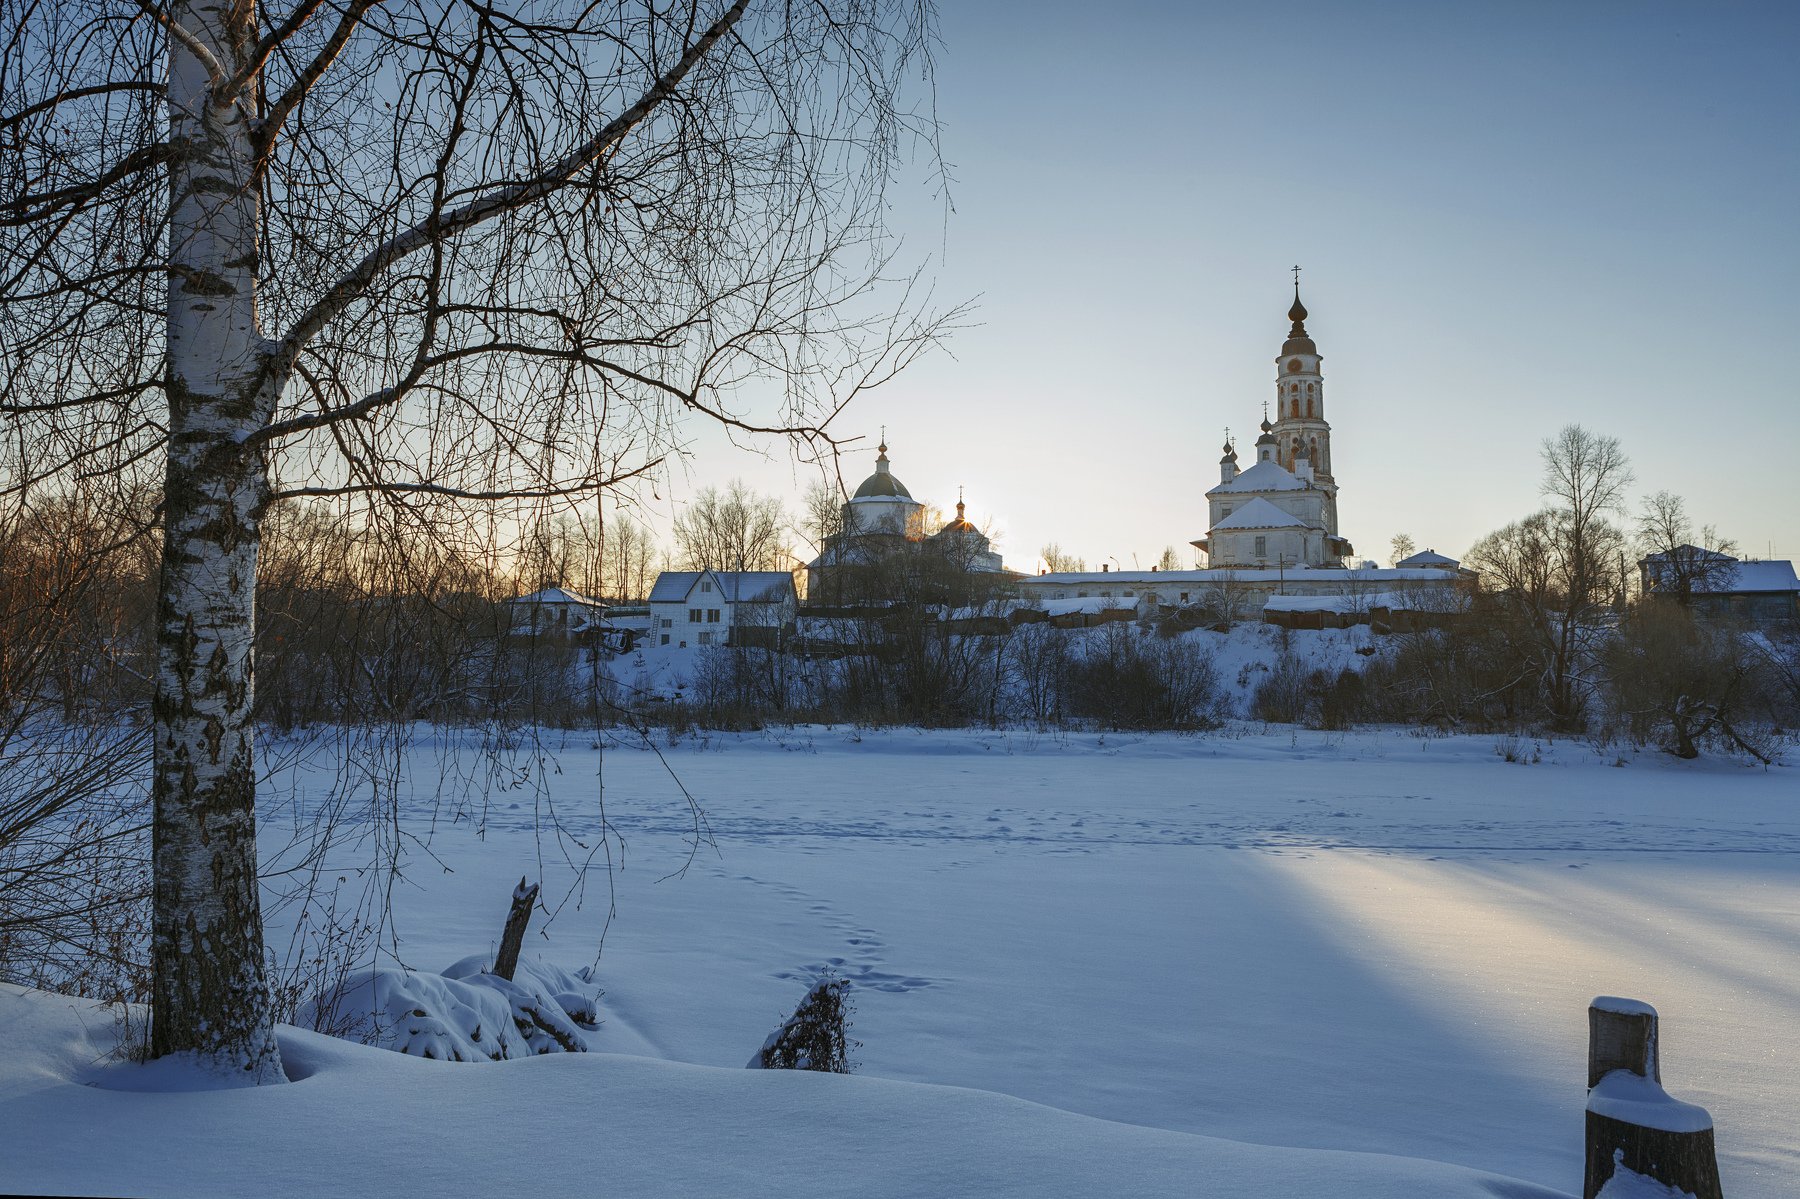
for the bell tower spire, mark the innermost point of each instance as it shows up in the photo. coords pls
(1302, 434)
(1301, 431)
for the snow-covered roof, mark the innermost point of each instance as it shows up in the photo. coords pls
(1090, 603)
(997, 608)
(1261, 514)
(1233, 574)
(736, 586)
(1264, 476)
(1689, 553)
(558, 595)
(1427, 558)
(1394, 601)
(1772, 575)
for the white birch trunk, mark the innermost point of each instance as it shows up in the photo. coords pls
(211, 994)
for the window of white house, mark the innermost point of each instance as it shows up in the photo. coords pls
(1184, 597)
(1128, 594)
(1262, 547)
(695, 615)
(706, 586)
(665, 636)
(712, 616)
(667, 623)
(1081, 595)
(705, 638)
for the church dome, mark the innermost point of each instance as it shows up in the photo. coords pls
(959, 525)
(882, 484)
(1297, 340)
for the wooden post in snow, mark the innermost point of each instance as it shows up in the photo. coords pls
(513, 939)
(1632, 1123)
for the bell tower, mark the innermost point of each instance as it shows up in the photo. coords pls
(1302, 435)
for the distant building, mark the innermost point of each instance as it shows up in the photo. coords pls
(1282, 509)
(1761, 592)
(1255, 593)
(882, 536)
(691, 608)
(559, 615)
(553, 611)
(1428, 560)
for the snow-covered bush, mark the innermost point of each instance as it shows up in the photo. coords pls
(464, 1014)
(816, 1036)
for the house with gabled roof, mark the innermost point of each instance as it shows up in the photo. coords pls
(692, 608)
(1760, 591)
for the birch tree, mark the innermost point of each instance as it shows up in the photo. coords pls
(419, 254)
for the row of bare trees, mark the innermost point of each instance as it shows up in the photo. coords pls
(1561, 637)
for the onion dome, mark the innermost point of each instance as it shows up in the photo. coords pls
(960, 524)
(1266, 426)
(1230, 453)
(1298, 342)
(882, 483)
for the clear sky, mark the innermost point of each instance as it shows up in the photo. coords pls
(1511, 216)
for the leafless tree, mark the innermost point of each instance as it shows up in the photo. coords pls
(416, 256)
(1680, 560)
(1056, 561)
(735, 529)
(1170, 560)
(74, 875)
(1557, 570)
(628, 560)
(1225, 597)
(1401, 548)
(1685, 683)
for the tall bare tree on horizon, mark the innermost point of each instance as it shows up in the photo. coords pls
(414, 255)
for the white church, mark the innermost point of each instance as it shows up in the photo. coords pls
(1282, 509)
(1272, 538)
(882, 519)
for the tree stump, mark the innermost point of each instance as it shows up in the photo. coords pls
(815, 1037)
(1631, 1121)
(513, 939)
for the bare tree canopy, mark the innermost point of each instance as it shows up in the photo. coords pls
(1683, 560)
(735, 529)
(1058, 561)
(420, 253)
(1558, 568)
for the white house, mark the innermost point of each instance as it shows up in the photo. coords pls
(553, 611)
(690, 608)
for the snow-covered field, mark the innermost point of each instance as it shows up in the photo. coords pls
(1373, 942)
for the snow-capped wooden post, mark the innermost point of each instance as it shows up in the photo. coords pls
(1632, 1123)
(513, 939)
